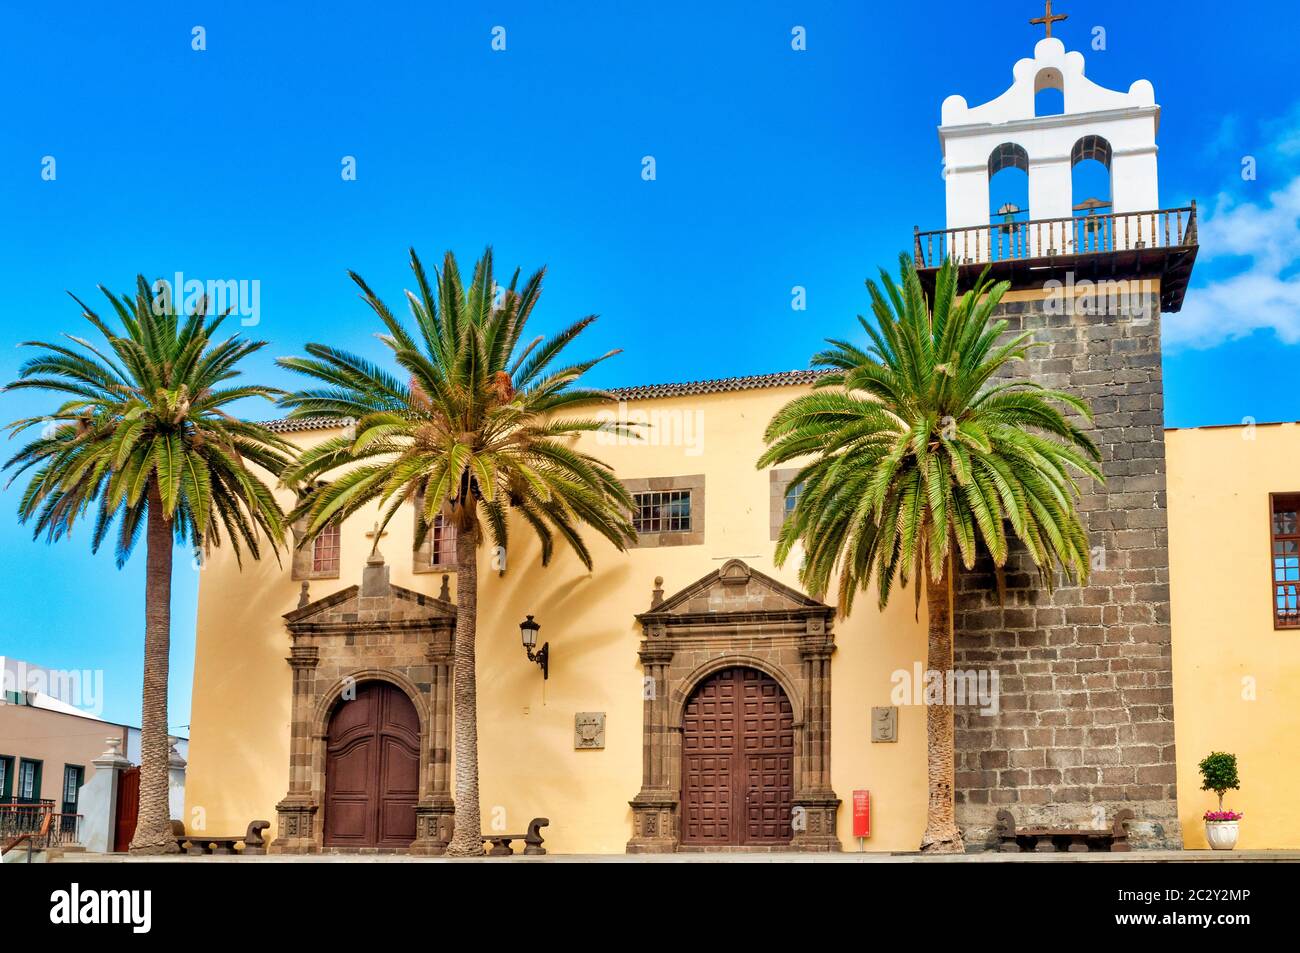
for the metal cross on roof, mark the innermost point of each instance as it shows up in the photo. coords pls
(1048, 18)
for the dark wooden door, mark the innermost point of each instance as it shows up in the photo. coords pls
(737, 761)
(372, 769)
(128, 808)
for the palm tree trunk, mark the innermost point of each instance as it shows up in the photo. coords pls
(942, 835)
(153, 829)
(466, 841)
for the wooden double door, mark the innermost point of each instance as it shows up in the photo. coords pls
(372, 769)
(737, 761)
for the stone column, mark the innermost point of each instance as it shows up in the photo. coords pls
(435, 816)
(97, 800)
(654, 809)
(815, 803)
(175, 780)
(296, 813)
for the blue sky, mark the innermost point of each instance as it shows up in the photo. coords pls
(775, 168)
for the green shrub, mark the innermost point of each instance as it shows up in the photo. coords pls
(1219, 774)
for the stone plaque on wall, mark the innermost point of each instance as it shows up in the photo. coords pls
(884, 724)
(589, 729)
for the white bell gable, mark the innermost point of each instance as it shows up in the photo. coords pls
(1116, 128)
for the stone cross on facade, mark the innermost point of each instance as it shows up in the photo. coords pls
(1048, 18)
(376, 534)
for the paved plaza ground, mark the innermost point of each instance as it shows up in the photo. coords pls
(1138, 857)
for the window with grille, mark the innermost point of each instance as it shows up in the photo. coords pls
(1286, 560)
(325, 550)
(667, 511)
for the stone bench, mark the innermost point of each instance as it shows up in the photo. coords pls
(1074, 840)
(196, 845)
(532, 840)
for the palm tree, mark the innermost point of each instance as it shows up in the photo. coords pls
(915, 452)
(468, 429)
(142, 438)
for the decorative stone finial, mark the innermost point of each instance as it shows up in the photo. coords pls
(174, 759)
(112, 757)
(657, 597)
(303, 595)
(445, 592)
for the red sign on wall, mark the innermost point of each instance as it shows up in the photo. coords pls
(861, 813)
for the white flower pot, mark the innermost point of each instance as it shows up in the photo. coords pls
(1222, 835)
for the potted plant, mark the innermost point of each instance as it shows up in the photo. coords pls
(1219, 774)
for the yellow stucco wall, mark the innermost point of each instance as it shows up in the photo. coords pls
(1219, 480)
(238, 767)
(1236, 679)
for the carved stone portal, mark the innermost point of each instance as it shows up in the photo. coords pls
(372, 632)
(735, 616)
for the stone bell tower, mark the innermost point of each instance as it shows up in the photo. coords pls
(1085, 722)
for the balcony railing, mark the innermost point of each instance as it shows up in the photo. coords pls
(36, 823)
(1052, 237)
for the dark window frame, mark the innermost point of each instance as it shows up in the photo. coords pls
(37, 779)
(76, 794)
(690, 484)
(658, 511)
(7, 781)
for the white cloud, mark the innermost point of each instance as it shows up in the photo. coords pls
(1265, 293)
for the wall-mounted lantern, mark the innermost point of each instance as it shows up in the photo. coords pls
(528, 633)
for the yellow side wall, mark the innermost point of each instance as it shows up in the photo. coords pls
(238, 766)
(1236, 679)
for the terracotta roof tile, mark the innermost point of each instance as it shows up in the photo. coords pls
(297, 424)
(640, 392)
(718, 386)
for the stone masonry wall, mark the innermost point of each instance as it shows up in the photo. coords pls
(1086, 709)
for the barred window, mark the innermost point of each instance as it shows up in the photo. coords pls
(1286, 560)
(325, 550)
(662, 511)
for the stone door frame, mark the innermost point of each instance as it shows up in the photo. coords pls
(336, 643)
(735, 616)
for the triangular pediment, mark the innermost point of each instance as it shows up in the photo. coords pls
(375, 602)
(736, 587)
